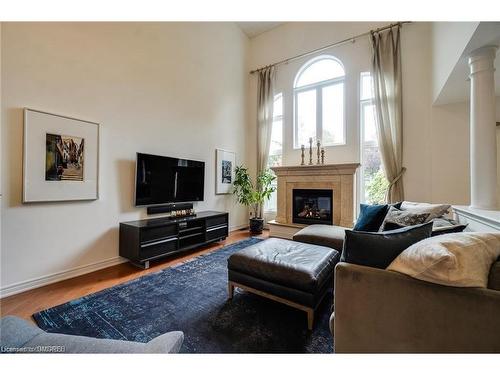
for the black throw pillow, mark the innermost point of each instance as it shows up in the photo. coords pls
(381, 248)
(451, 229)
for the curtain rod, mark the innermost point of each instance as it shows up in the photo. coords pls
(351, 39)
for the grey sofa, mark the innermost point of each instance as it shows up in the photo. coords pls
(19, 336)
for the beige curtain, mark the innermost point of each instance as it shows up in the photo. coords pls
(386, 73)
(265, 101)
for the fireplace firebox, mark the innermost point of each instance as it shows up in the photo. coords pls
(312, 206)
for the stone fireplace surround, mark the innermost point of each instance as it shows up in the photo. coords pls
(337, 177)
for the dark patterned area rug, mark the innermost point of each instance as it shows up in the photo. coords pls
(192, 297)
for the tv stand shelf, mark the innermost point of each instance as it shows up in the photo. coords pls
(144, 240)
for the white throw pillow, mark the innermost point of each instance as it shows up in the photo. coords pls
(434, 210)
(456, 259)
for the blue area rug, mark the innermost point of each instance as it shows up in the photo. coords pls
(192, 297)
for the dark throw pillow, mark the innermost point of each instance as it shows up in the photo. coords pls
(396, 205)
(457, 228)
(381, 248)
(371, 217)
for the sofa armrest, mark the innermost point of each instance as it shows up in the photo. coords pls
(380, 311)
(17, 335)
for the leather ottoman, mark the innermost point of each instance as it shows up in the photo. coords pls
(321, 234)
(293, 273)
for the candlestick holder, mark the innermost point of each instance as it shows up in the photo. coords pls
(323, 155)
(310, 151)
(302, 155)
(318, 153)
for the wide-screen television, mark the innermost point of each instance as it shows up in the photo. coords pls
(161, 179)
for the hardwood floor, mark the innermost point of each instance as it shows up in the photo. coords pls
(26, 303)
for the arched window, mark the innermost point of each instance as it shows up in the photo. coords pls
(319, 102)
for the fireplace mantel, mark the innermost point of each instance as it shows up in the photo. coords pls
(337, 177)
(314, 170)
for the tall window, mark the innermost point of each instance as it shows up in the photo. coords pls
(319, 102)
(373, 182)
(276, 147)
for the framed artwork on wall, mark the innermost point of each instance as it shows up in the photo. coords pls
(60, 158)
(225, 162)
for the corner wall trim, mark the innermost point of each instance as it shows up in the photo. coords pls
(23, 286)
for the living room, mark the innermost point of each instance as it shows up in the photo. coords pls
(227, 186)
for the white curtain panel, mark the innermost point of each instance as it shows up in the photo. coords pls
(387, 83)
(265, 101)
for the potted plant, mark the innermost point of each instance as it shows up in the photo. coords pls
(252, 195)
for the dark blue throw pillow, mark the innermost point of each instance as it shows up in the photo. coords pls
(371, 217)
(381, 248)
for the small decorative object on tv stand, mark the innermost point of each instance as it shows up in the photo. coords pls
(173, 209)
(144, 240)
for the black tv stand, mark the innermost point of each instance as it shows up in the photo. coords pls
(144, 240)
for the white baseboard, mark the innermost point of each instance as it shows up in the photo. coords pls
(234, 228)
(37, 282)
(23, 286)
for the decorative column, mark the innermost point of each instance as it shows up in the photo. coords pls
(483, 146)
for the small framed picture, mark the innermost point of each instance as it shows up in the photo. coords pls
(60, 158)
(224, 174)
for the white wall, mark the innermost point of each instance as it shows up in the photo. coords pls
(449, 40)
(174, 89)
(295, 38)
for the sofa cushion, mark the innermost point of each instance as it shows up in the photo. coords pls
(301, 266)
(370, 217)
(396, 219)
(322, 235)
(434, 210)
(379, 249)
(457, 259)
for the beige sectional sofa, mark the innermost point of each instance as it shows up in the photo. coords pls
(379, 311)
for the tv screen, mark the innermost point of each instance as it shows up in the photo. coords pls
(161, 179)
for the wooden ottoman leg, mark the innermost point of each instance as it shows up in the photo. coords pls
(310, 319)
(230, 289)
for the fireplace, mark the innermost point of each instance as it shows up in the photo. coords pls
(312, 206)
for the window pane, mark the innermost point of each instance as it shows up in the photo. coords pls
(276, 146)
(278, 105)
(306, 117)
(271, 205)
(366, 86)
(374, 182)
(320, 70)
(370, 132)
(333, 114)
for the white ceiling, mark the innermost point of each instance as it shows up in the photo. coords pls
(252, 29)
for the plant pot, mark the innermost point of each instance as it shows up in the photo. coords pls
(256, 225)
